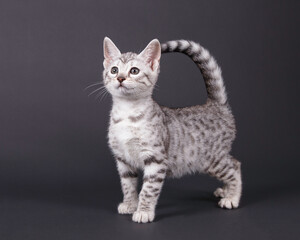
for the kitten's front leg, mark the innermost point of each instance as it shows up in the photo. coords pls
(129, 179)
(154, 175)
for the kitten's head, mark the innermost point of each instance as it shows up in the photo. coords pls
(130, 75)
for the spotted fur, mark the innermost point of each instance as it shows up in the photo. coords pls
(164, 141)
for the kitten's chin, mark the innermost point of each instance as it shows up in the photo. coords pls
(122, 92)
(125, 91)
(130, 93)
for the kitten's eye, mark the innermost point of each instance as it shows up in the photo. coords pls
(134, 71)
(114, 70)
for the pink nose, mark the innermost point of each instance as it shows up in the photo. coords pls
(120, 79)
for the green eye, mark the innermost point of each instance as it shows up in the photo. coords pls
(134, 71)
(114, 70)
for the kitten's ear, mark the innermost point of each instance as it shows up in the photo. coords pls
(110, 51)
(151, 54)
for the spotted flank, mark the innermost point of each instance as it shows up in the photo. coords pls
(161, 142)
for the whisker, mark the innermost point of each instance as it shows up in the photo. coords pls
(103, 93)
(103, 96)
(98, 89)
(100, 93)
(93, 85)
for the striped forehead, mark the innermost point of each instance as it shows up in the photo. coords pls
(127, 57)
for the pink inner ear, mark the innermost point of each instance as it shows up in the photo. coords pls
(151, 54)
(109, 54)
(106, 63)
(150, 57)
(153, 64)
(110, 50)
(153, 58)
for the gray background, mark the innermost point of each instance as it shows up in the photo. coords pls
(57, 176)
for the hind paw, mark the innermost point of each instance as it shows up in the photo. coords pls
(219, 192)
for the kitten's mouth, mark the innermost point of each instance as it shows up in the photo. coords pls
(121, 87)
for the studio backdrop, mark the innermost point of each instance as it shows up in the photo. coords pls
(53, 124)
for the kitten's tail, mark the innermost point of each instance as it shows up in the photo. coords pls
(207, 64)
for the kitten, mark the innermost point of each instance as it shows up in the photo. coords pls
(163, 141)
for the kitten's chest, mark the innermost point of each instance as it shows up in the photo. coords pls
(126, 130)
(127, 133)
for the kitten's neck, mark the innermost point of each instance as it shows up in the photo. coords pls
(130, 105)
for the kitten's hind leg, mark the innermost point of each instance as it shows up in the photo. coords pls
(129, 180)
(220, 192)
(228, 170)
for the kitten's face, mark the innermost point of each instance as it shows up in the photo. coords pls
(131, 75)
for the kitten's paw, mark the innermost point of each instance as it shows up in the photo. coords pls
(229, 202)
(127, 208)
(143, 217)
(219, 192)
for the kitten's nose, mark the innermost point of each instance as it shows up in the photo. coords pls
(121, 79)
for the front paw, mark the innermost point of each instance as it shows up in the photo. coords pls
(127, 207)
(229, 202)
(143, 216)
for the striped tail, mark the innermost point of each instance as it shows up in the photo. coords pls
(207, 64)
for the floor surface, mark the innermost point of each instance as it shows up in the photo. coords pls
(186, 211)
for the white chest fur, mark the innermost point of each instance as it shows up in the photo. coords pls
(128, 131)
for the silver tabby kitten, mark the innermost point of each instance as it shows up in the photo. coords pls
(163, 141)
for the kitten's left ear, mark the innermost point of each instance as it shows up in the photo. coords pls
(151, 54)
(110, 51)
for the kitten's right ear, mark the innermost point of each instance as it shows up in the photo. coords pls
(110, 51)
